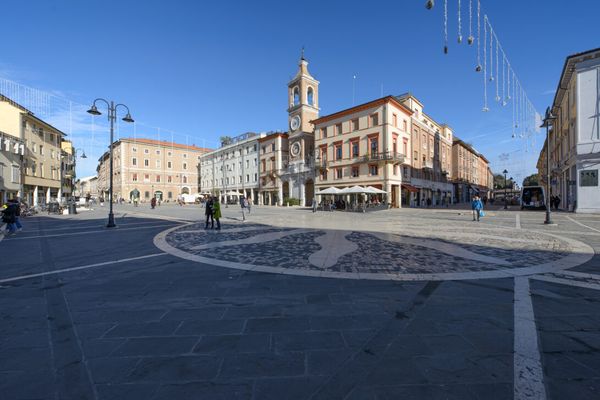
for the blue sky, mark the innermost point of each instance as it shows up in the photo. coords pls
(199, 70)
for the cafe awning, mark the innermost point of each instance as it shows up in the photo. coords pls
(410, 188)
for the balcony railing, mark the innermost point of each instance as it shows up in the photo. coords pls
(428, 164)
(385, 156)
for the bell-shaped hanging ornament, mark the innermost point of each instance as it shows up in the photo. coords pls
(429, 4)
(478, 68)
(516, 125)
(513, 135)
(445, 49)
(504, 103)
(491, 78)
(508, 97)
(497, 98)
(485, 109)
(470, 40)
(459, 39)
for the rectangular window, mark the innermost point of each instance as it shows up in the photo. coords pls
(16, 174)
(338, 151)
(157, 152)
(146, 178)
(184, 165)
(157, 163)
(405, 147)
(169, 164)
(184, 155)
(134, 150)
(355, 124)
(272, 146)
(374, 146)
(355, 172)
(146, 151)
(395, 120)
(146, 162)
(373, 170)
(323, 133)
(157, 178)
(169, 179)
(41, 150)
(404, 127)
(134, 177)
(416, 155)
(338, 129)
(338, 173)
(354, 148)
(588, 177)
(324, 175)
(374, 119)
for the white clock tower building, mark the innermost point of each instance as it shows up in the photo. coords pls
(303, 101)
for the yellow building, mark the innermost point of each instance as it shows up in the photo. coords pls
(40, 152)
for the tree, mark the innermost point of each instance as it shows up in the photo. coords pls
(225, 140)
(499, 182)
(531, 180)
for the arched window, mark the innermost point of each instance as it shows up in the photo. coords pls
(296, 96)
(310, 96)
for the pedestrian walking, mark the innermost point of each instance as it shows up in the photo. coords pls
(153, 203)
(9, 217)
(314, 205)
(249, 204)
(17, 205)
(477, 207)
(217, 213)
(556, 202)
(209, 214)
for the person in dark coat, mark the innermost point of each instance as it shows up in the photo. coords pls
(9, 217)
(208, 211)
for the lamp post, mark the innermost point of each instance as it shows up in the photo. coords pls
(548, 120)
(112, 117)
(505, 196)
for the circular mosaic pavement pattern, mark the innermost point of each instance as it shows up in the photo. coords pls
(441, 254)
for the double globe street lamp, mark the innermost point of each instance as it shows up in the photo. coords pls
(112, 117)
(548, 120)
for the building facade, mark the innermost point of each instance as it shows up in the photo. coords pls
(471, 173)
(574, 139)
(430, 158)
(146, 168)
(232, 170)
(87, 186)
(364, 145)
(274, 154)
(12, 149)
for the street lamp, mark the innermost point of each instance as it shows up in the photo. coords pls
(505, 196)
(112, 117)
(548, 120)
(82, 153)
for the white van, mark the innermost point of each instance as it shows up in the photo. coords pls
(533, 197)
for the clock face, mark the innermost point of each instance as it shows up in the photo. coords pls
(295, 150)
(295, 123)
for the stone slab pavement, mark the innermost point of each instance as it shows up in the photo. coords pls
(92, 313)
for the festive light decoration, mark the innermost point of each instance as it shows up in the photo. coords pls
(496, 67)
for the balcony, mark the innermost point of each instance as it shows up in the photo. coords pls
(428, 164)
(387, 156)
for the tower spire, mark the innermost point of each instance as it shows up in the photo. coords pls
(302, 54)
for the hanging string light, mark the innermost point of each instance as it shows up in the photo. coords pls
(459, 25)
(497, 76)
(429, 4)
(503, 80)
(491, 49)
(485, 107)
(445, 26)
(478, 67)
(470, 38)
(513, 107)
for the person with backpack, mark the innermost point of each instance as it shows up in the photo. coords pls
(477, 207)
(208, 211)
(216, 208)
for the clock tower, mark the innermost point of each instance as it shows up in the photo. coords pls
(303, 107)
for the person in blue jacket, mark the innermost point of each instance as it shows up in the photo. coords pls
(476, 206)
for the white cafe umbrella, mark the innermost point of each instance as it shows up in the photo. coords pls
(329, 190)
(375, 190)
(354, 190)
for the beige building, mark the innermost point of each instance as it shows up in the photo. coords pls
(430, 158)
(67, 168)
(12, 149)
(146, 168)
(364, 145)
(273, 157)
(574, 137)
(471, 173)
(87, 186)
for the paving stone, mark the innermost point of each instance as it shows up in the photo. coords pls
(110, 369)
(129, 391)
(308, 341)
(205, 391)
(228, 344)
(156, 346)
(208, 327)
(263, 365)
(174, 369)
(325, 362)
(281, 324)
(143, 329)
(206, 313)
(290, 388)
(410, 392)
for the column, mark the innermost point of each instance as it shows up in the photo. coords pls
(47, 195)
(260, 198)
(302, 195)
(388, 189)
(35, 196)
(280, 194)
(60, 195)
